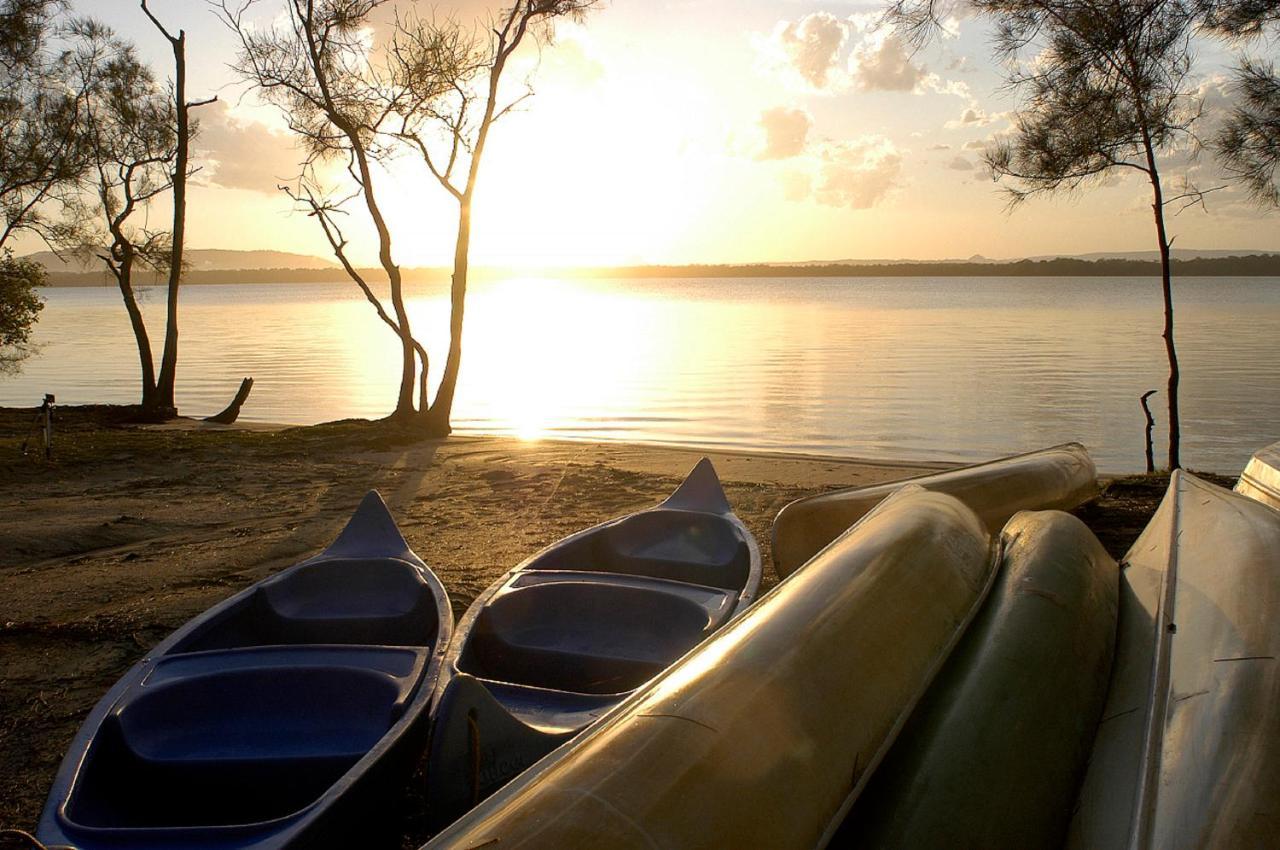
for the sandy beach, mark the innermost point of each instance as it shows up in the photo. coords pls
(128, 532)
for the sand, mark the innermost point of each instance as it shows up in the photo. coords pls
(128, 532)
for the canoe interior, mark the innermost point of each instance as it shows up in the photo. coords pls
(255, 712)
(588, 634)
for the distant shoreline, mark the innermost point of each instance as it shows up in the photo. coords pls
(1254, 265)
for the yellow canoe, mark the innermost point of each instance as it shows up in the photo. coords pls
(1061, 478)
(997, 747)
(1188, 751)
(1260, 480)
(763, 735)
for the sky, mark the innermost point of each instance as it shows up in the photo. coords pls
(698, 131)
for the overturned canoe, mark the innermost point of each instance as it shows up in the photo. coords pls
(1187, 754)
(1060, 478)
(275, 718)
(995, 751)
(763, 735)
(570, 632)
(1260, 480)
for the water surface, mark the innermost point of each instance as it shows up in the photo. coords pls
(956, 369)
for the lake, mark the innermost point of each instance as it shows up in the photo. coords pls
(956, 369)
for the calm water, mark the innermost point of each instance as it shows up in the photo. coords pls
(950, 368)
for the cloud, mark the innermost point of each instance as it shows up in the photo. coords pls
(959, 163)
(810, 47)
(975, 145)
(939, 147)
(240, 154)
(786, 132)
(973, 116)
(857, 174)
(882, 62)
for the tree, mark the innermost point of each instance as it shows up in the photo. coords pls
(1105, 91)
(20, 307)
(128, 136)
(424, 52)
(356, 105)
(317, 70)
(39, 158)
(1249, 143)
(183, 131)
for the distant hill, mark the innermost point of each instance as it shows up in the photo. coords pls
(197, 259)
(1153, 256)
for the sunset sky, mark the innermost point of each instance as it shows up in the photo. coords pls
(702, 131)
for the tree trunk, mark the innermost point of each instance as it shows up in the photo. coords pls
(124, 275)
(437, 416)
(169, 357)
(1157, 207)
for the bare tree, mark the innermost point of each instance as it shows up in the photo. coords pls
(1106, 90)
(318, 71)
(127, 132)
(423, 53)
(167, 379)
(435, 82)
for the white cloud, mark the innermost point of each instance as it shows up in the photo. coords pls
(857, 174)
(973, 116)
(240, 154)
(810, 48)
(882, 62)
(786, 132)
(959, 163)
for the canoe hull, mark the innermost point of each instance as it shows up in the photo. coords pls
(1260, 480)
(1058, 478)
(1187, 755)
(1002, 737)
(566, 635)
(750, 741)
(272, 720)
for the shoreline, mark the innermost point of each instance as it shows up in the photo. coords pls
(130, 531)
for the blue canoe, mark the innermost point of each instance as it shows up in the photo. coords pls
(271, 719)
(569, 633)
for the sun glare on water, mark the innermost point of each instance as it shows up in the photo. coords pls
(533, 353)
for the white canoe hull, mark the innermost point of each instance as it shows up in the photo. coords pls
(1188, 751)
(1059, 478)
(763, 735)
(1260, 480)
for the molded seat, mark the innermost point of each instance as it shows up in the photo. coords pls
(232, 747)
(587, 637)
(381, 601)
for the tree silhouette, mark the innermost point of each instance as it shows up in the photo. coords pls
(128, 134)
(358, 106)
(183, 131)
(1103, 87)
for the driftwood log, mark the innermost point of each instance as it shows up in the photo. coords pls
(1151, 423)
(232, 411)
